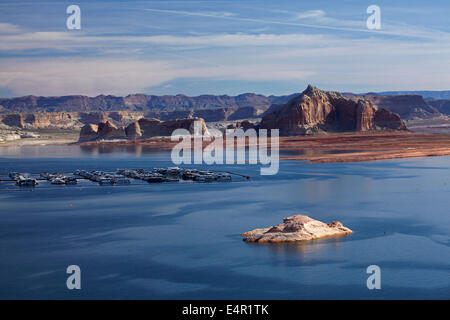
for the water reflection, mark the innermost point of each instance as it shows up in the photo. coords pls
(137, 150)
(67, 151)
(134, 150)
(301, 250)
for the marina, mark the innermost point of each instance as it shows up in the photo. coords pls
(123, 176)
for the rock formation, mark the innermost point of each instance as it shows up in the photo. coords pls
(320, 111)
(89, 132)
(408, 107)
(210, 115)
(133, 131)
(244, 106)
(106, 130)
(154, 127)
(244, 125)
(66, 120)
(442, 105)
(297, 228)
(13, 120)
(75, 120)
(141, 129)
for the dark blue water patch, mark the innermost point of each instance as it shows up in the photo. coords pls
(117, 278)
(183, 241)
(381, 227)
(403, 265)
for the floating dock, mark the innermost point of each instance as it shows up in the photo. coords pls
(124, 176)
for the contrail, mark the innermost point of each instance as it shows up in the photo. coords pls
(296, 24)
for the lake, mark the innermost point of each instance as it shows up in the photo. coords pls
(182, 241)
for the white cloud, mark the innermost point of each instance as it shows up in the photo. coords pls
(235, 40)
(321, 18)
(6, 28)
(374, 61)
(77, 76)
(66, 40)
(311, 14)
(120, 77)
(209, 14)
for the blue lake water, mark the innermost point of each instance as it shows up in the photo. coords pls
(182, 241)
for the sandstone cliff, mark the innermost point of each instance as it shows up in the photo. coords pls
(210, 115)
(320, 111)
(75, 120)
(409, 107)
(143, 128)
(244, 106)
(66, 120)
(107, 130)
(89, 132)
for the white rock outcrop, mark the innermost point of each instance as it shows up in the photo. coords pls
(297, 228)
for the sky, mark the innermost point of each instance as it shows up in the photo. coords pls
(222, 47)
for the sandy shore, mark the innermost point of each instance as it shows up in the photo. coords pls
(36, 142)
(45, 137)
(356, 147)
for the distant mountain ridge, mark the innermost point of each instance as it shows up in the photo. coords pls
(134, 102)
(426, 94)
(33, 111)
(442, 105)
(75, 120)
(407, 106)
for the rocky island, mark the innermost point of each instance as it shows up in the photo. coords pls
(297, 228)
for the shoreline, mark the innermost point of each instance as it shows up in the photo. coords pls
(36, 142)
(322, 148)
(362, 147)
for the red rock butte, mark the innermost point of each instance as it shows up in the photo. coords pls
(322, 111)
